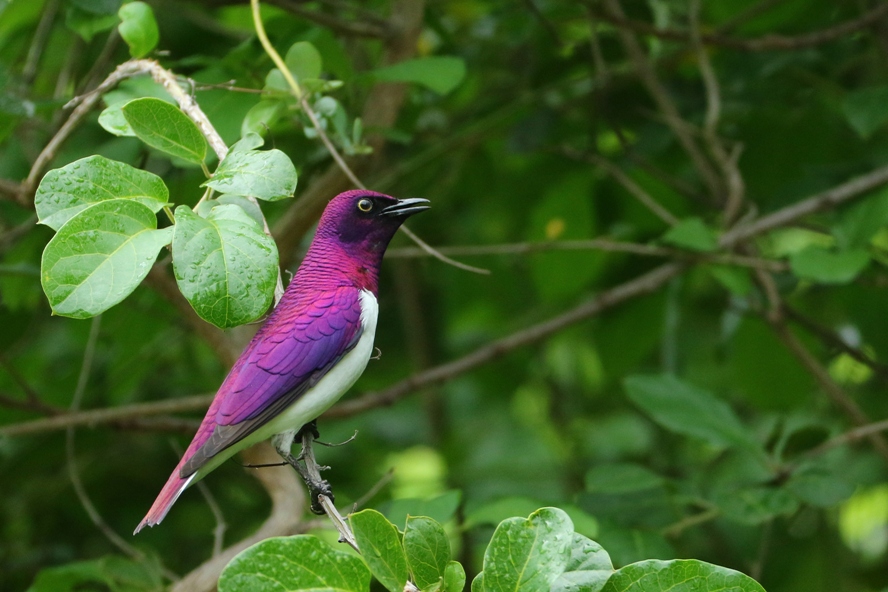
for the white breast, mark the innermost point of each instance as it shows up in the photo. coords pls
(318, 398)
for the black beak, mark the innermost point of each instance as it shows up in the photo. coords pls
(405, 207)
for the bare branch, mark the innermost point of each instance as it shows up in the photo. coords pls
(821, 201)
(644, 284)
(628, 184)
(765, 43)
(664, 102)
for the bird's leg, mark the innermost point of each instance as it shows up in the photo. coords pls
(305, 464)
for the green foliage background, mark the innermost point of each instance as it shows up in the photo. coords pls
(692, 420)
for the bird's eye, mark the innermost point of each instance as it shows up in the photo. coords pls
(365, 205)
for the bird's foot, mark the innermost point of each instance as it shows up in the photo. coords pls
(309, 469)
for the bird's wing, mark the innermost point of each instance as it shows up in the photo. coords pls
(295, 348)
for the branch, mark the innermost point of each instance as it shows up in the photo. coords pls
(357, 28)
(644, 284)
(94, 417)
(664, 102)
(821, 201)
(765, 43)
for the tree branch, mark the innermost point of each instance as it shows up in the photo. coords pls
(644, 284)
(765, 43)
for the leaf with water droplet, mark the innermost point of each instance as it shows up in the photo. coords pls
(66, 191)
(527, 554)
(225, 265)
(266, 174)
(99, 256)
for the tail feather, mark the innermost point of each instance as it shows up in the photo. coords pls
(174, 487)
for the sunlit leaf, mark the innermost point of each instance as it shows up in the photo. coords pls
(164, 127)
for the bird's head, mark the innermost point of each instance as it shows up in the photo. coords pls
(363, 222)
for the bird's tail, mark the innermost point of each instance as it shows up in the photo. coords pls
(174, 487)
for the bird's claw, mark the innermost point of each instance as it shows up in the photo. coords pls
(318, 489)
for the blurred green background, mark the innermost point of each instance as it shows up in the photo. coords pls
(689, 420)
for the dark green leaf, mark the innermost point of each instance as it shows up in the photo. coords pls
(679, 575)
(829, 267)
(735, 279)
(118, 574)
(66, 191)
(294, 563)
(686, 409)
(427, 550)
(498, 510)
(87, 24)
(621, 478)
(164, 127)
(438, 73)
(693, 234)
(304, 61)
(754, 505)
(97, 6)
(860, 223)
(440, 508)
(226, 266)
(381, 548)
(865, 109)
(138, 28)
(528, 554)
(99, 257)
(262, 116)
(268, 174)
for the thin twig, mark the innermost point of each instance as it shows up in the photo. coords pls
(74, 474)
(733, 180)
(644, 284)
(820, 201)
(628, 184)
(765, 43)
(38, 41)
(301, 96)
(849, 437)
(675, 530)
(776, 319)
(356, 28)
(665, 104)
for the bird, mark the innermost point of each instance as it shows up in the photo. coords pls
(309, 351)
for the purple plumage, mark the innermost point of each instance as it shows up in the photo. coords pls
(311, 348)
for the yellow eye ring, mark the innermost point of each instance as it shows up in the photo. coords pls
(365, 205)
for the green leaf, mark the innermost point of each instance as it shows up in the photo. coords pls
(164, 127)
(865, 109)
(268, 174)
(754, 505)
(251, 208)
(262, 116)
(736, 280)
(686, 409)
(439, 73)
(498, 510)
(527, 554)
(381, 548)
(693, 234)
(225, 265)
(427, 549)
(138, 28)
(114, 573)
(440, 508)
(679, 575)
(829, 267)
(588, 568)
(621, 478)
(112, 119)
(454, 577)
(299, 562)
(66, 191)
(860, 222)
(86, 23)
(303, 61)
(99, 257)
